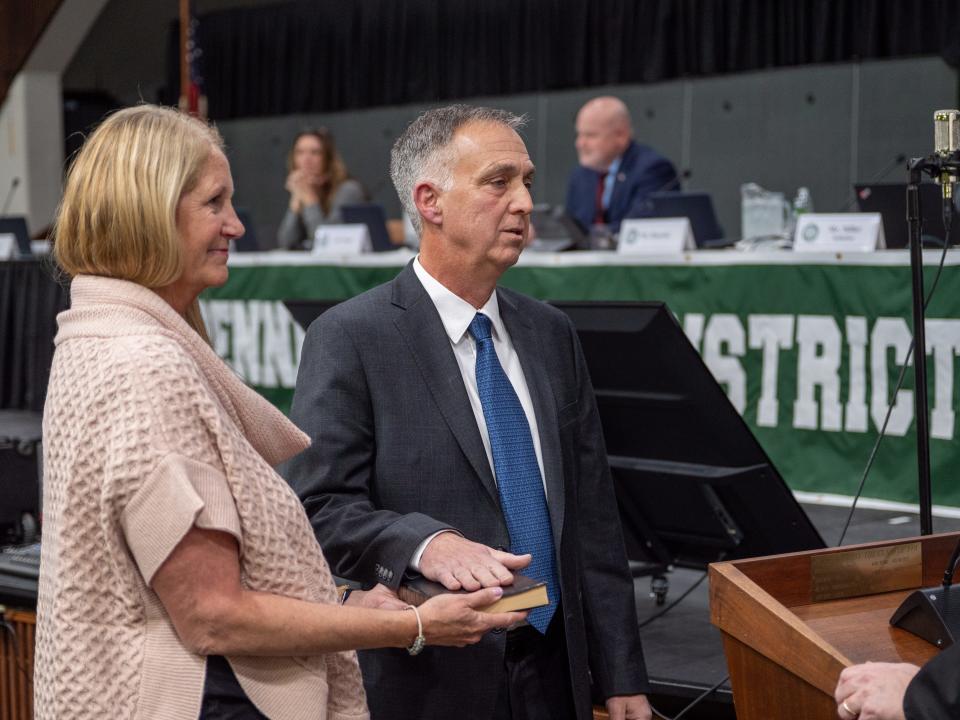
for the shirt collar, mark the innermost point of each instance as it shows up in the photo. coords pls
(614, 166)
(456, 314)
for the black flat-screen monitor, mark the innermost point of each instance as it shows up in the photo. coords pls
(306, 311)
(695, 206)
(554, 230)
(19, 490)
(373, 216)
(248, 241)
(693, 483)
(890, 200)
(16, 225)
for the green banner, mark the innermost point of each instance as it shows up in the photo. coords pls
(809, 354)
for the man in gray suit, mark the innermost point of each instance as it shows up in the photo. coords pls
(455, 434)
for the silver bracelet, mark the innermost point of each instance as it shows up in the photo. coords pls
(420, 642)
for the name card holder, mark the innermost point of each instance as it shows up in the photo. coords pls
(845, 232)
(655, 236)
(347, 239)
(8, 246)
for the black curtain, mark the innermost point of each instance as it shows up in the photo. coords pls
(30, 298)
(322, 55)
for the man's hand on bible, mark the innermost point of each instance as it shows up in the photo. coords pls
(458, 563)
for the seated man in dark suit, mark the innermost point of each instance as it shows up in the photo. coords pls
(615, 174)
(455, 433)
(901, 691)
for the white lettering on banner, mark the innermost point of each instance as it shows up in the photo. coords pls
(281, 348)
(889, 333)
(770, 333)
(216, 316)
(943, 342)
(246, 341)
(693, 328)
(259, 338)
(856, 407)
(818, 365)
(726, 330)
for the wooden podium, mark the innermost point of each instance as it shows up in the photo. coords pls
(786, 648)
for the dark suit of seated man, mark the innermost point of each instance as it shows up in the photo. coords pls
(901, 691)
(615, 174)
(455, 432)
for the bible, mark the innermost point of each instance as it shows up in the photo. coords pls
(523, 594)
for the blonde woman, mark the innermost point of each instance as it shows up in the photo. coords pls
(319, 187)
(179, 576)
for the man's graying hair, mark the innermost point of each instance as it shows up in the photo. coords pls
(420, 152)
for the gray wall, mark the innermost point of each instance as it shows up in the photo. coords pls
(825, 127)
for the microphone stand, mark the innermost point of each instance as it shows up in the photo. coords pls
(6, 203)
(930, 613)
(915, 168)
(936, 166)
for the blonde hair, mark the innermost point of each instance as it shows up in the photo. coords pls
(118, 215)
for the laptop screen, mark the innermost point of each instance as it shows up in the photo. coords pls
(890, 200)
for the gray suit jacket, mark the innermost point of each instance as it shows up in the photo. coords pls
(397, 455)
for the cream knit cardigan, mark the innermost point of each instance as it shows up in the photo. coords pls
(146, 433)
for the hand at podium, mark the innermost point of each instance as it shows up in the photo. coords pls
(873, 691)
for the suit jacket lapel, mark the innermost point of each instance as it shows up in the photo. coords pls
(422, 331)
(627, 161)
(531, 352)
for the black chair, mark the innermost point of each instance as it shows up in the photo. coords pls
(248, 242)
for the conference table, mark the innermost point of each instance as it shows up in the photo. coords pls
(807, 346)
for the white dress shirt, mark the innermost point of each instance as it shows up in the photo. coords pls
(456, 314)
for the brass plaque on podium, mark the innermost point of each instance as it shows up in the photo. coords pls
(866, 572)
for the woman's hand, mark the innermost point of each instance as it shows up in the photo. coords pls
(453, 618)
(291, 185)
(304, 189)
(378, 597)
(212, 612)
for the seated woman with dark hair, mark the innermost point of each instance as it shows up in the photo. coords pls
(180, 577)
(318, 185)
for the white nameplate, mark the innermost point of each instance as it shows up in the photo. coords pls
(8, 246)
(847, 232)
(351, 239)
(655, 236)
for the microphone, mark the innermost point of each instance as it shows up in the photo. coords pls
(677, 182)
(932, 613)
(951, 566)
(6, 203)
(946, 142)
(672, 185)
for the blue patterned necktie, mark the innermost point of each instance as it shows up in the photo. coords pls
(519, 482)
